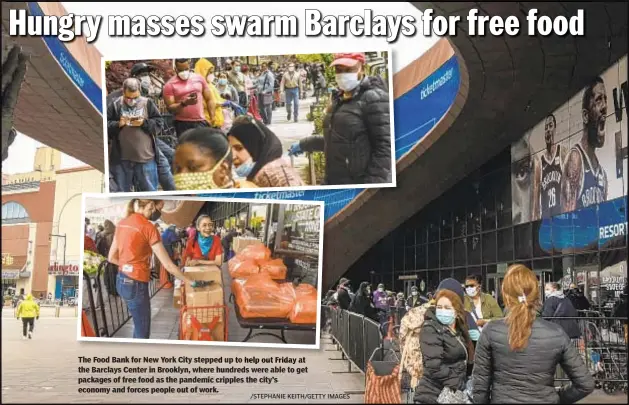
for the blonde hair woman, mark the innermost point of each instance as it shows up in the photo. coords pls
(516, 357)
(134, 242)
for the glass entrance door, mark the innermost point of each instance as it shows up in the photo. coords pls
(493, 284)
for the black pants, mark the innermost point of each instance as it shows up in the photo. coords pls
(27, 322)
(243, 100)
(183, 126)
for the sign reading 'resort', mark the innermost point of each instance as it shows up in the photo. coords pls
(612, 231)
(57, 269)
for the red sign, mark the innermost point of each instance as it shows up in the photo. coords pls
(63, 270)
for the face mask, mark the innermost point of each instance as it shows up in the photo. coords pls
(414, 293)
(347, 81)
(210, 77)
(236, 68)
(547, 293)
(222, 82)
(471, 291)
(244, 169)
(445, 316)
(131, 102)
(381, 289)
(145, 80)
(184, 75)
(198, 180)
(291, 69)
(474, 335)
(155, 215)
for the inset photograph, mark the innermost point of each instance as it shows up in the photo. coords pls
(246, 122)
(201, 271)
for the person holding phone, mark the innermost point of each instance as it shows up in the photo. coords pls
(185, 95)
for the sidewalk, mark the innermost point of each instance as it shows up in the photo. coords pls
(44, 312)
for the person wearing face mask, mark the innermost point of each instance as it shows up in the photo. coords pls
(556, 304)
(132, 121)
(141, 71)
(257, 155)
(446, 348)
(237, 79)
(203, 161)
(289, 86)
(482, 306)
(205, 248)
(205, 68)
(265, 84)
(225, 87)
(135, 241)
(414, 300)
(358, 116)
(188, 96)
(303, 76)
(361, 303)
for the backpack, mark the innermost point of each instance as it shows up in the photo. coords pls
(411, 363)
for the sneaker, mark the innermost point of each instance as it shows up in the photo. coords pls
(23, 337)
(30, 335)
(288, 117)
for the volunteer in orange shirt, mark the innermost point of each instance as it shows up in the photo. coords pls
(204, 248)
(135, 240)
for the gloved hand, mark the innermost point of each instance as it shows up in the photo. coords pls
(474, 335)
(295, 149)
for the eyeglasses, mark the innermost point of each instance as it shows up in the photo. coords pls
(471, 285)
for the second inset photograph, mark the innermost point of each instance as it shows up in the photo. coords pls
(201, 270)
(298, 121)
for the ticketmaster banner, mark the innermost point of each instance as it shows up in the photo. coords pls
(416, 113)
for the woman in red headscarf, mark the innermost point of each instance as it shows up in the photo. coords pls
(252, 108)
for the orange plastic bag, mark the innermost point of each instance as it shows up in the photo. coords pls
(305, 310)
(274, 268)
(255, 252)
(242, 268)
(261, 297)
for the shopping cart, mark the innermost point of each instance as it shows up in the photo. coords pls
(203, 323)
(607, 355)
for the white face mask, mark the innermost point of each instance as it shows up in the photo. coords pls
(210, 77)
(347, 81)
(184, 75)
(414, 293)
(381, 289)
(547, 293)
(291, 69)
(471, 291)
(145, 80)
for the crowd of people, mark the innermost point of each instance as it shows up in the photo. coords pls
(222, 120)
(458, 345)
(129, 247)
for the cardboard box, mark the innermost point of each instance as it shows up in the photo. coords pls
(205, 273)
(217, 333)
(240, 243)
(177, 297)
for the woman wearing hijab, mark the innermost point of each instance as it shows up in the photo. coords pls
(203, 161)
(258, 155)
(205, 247)
(205, 68)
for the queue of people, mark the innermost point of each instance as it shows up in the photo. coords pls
(460, 346)
(238, 101)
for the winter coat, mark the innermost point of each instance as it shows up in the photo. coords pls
(343, 298)
(488, 305)
(356, 136)
(560, 306)
(444, 357)
(380, 300)
(527, 376)
(27, 308)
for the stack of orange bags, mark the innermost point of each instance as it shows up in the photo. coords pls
(256, 259)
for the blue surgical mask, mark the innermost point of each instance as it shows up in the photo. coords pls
(474, 335)
(244, 169)
(222, 82)
(445, 316)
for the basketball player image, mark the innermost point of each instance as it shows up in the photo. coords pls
(584, 181)
(548, 169)
(522, 180)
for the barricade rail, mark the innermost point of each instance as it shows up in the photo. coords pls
(602, 344)
(105, 309)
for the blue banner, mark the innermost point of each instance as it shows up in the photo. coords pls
(70, 66)
(416, 113)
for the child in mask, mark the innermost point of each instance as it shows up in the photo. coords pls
(257, 155)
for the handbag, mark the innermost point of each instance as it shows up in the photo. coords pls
(450, 396)
(382, 382)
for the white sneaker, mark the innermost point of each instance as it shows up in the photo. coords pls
(23, 337)
(30, 335)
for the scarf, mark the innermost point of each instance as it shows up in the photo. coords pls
(558, 294)
(205, 243)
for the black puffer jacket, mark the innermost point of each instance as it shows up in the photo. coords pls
(444, 357)
(562, 307)
(356, 136)
(502, 376)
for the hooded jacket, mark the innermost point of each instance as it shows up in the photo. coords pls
(202, 67)
(361, 303)
(502, 376)
(445, 357)
(356, 136)
(558, 305)
(380, 300)
(27, 308)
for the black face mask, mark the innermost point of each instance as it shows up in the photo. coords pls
(155, 215)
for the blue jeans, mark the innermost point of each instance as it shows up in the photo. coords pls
(164, 156)
(136, 296)
(144, 174)
(292, 97)
(266, 111)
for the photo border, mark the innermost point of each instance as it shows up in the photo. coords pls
(317, 331)
(391, 184)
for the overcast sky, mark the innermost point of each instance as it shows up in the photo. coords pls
(404, 50)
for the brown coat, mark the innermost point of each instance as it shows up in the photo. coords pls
(278, 173)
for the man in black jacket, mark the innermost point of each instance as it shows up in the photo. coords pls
(578, 299)
(558, 305)
(132, 121)
(356, 129)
